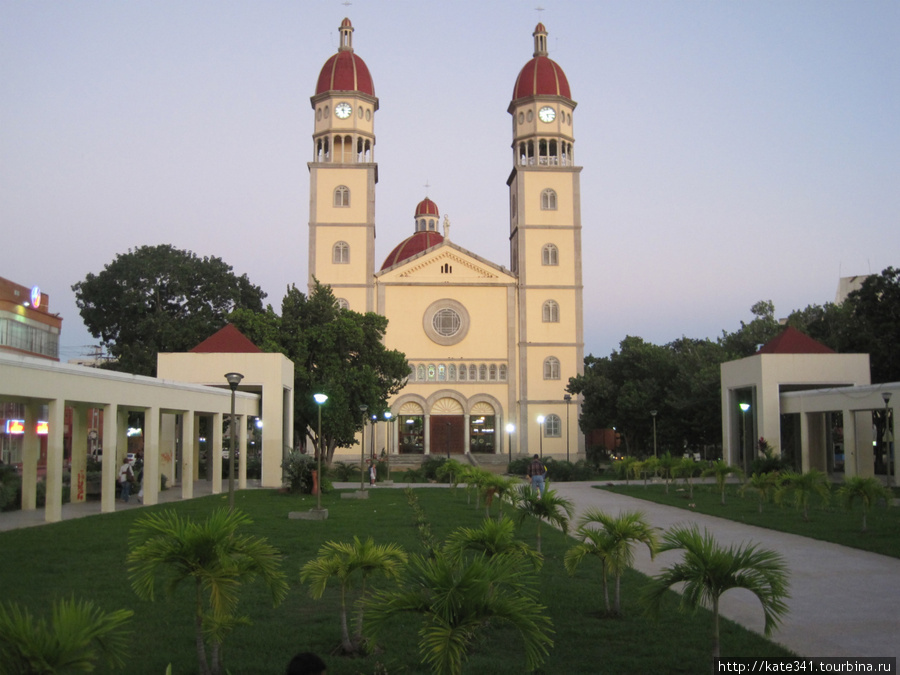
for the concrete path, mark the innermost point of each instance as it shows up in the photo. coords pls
(844, 602)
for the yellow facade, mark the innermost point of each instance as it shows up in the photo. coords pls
(489, 344)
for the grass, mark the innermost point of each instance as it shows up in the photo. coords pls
(830, 523)
(86, 558)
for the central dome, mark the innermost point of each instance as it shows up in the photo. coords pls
(541, 76)
(412, 246)
(345, 71)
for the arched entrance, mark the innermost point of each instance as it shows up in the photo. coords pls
(448, 428)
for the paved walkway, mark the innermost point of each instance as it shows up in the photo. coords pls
(844, 602)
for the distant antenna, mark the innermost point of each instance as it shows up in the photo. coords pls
(426, 186)
(539, 9)
(346, 3)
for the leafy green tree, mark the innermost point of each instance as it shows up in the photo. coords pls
(216, 558)
(78, 638)
(721, 470)
(160, 299)
(763, 484)
(550, 507)
(876, 323)
(494, 537)
(499, 487)
(336, 352)
(687, 469)
(613, 544)
(459, 601)
(351, 565)
(867, 490)
(800, 487)
(746, 341)
(708, 570)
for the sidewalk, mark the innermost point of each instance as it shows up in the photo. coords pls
(844, 602)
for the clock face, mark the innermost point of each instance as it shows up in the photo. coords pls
(547, 114)
(343, 110)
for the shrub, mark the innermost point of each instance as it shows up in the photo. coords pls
(10, 489)
(430, 466)
(770, 462)
(343, 472)
(519, 467)
(298, 470)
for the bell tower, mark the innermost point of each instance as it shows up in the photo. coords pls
(545, 242)
(343, 175)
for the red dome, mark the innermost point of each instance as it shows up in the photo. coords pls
(345, 71)
(427, 207)
(541, 76)
(412, 246)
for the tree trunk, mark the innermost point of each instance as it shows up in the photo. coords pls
(198, 627)
(345, 630)
(215, 667)
(864, 521)
(618, 607)
(715, 613)
(605, 588)
(539, 536)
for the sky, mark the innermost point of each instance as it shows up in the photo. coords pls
(732, 151)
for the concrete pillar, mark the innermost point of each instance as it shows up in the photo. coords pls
(864, 438)
(851, 456)
(426, 433)
(109, 471)
(241, 458)
(151, 455)
(31, 452)
(78, 466)
(53, 483)
(214, 453)
(467, 438)
(188, 449)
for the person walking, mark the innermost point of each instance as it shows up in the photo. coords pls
(536, 471)
(126, 478)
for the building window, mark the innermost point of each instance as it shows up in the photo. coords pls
(550, 255)
(442, 373)
(492, 372)
(451, 372)
(342, 196)
(431, 372)
(420, 373)
(551, 312)
(552, 426)
(340, 253)
(342, 303)
(551, 368)
(473, 372)
(548, 200)
(503, 372)
(462, 373)
(446, 322)
(482, 372)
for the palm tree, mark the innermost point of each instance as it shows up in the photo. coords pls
(551, 508)
(494, 537)
(78, 636)
(867, 490)
(721, 470)
(497, 486)
(667, 465)
(459, 600)
(451, 471)
(623, 467)
(649, 467)
(687, 468)
(708, 570)
(349, 564)
(764, 484)
(613, 543)
(215, 557)
(800, 487)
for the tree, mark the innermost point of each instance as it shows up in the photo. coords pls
(686, 469)
(800, 487)
(458, 601)
(351, 565)
(78, 637)
(336, 352)
(494, 537)
(746, 341)
(708, 571)
(721, 470)
(667, 466)
(613, 544)
(876, 323)
(160, 299)
(763, 484)
(867, 490)
(551, 508)
(216, 558)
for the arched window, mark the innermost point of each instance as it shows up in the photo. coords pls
(343, 304)
(342, 195)
(482, 372)
(340, 253)
(552, 426)
(503, 372)
(548, 200)
(420, 373)
(550, 255)
(442, 373)
(551, 368)
(492, 372)
(473, 372)
(431, 372)
(462, 372)
(551, 312)
(412, 373)
(451, 372)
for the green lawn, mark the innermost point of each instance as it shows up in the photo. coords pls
(829, 522)
(85, 558)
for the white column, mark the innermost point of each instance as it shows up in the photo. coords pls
(31, 451)
(214, 453)
(851, 456)
(78, 466)
(151, 455)
(242, 448)
(57, 418)
(188, 449)
(108, 471)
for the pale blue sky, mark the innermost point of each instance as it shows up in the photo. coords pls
(732, 151)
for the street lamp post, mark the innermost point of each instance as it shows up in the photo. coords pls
(320, 400)
(362, 448)
(744, 408)
(653, 415)
(234, 379)
(888, 437)
(509, 429)
(568, 399)
(540, 421)
(390, 425)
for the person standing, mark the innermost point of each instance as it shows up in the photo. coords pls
(536, 471)
(126, 478)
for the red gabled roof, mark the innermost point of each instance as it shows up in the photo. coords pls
(792, 341)
(228, 340)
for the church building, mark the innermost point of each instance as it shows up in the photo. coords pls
(491, 345)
